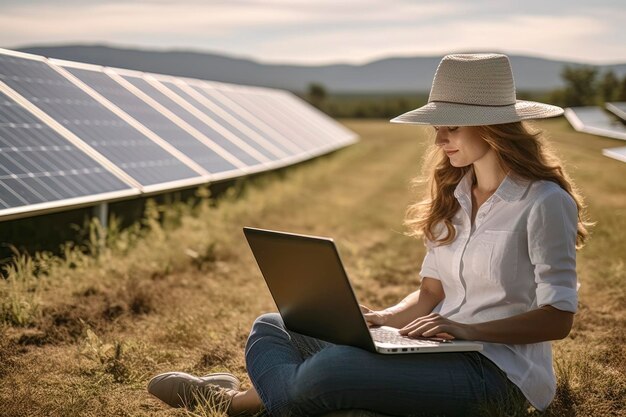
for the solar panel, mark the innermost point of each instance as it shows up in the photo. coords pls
(75, 134)
(247, 157)
(291, 108)
(153, 120)
(615, 153)
(596, 121)
(288, 111)
(294, 119)
(305, 139)
(268, 148)
(251, 121)
(82, 115)
(618, 109)
(322, 120)
(40, 169)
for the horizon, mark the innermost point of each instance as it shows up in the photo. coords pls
(295, 32)
(285, 63)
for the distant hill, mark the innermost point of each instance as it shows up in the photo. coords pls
(381, 76)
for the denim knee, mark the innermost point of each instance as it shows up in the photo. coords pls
(266, 324)
(269, 318)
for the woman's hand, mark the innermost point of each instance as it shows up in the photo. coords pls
(434, 325)
(375, 318)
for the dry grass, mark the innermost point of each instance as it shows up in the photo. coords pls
(82, 334)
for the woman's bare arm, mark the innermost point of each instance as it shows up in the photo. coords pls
(539, 325)
(417, 304)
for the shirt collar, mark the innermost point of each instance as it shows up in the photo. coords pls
(512, 188)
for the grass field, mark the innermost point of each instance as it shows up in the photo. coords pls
(81, 335)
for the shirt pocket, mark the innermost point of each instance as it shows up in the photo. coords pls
(495, 257)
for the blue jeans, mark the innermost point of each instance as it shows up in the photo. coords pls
(297, 375)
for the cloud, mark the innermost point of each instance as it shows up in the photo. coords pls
(567, 37)
(321, 31)
(197, 17)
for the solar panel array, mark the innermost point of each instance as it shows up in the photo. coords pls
(39, 166)
(615, 153)
(618, 109)
(152, 119)
(74, 134)
(596, 121)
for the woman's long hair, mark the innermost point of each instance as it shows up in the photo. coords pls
(518, 149)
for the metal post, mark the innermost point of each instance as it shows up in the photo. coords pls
(101, 212)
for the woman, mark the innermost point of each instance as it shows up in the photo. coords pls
(501, 223)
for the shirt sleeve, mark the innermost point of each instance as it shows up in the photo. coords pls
(429, 264)
(552, 227)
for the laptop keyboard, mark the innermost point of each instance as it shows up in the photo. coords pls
(385, 335)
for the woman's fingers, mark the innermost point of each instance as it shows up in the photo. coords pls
(428, 330)
(419, 322)
(365, 309)
(368, 314)
(375, 318)
(432, 325)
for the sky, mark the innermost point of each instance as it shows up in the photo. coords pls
(317, 32)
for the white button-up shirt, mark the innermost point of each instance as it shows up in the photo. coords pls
(519, 255)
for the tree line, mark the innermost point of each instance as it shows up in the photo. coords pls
(584, 86)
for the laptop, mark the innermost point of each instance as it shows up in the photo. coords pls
(310, 287)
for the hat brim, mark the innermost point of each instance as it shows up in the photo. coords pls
(455, 114)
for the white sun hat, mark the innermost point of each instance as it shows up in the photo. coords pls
(475, 90)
